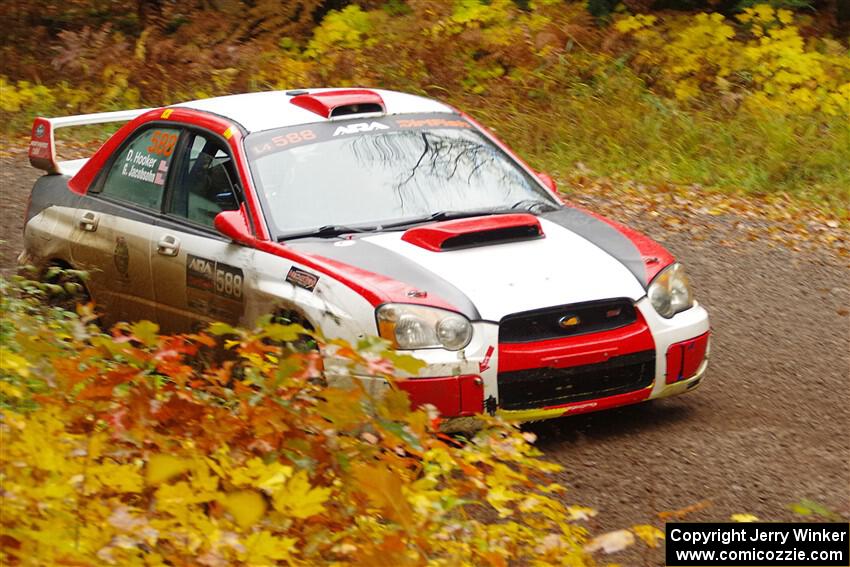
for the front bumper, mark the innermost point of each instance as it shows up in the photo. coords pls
(609, 402)
(465, 383)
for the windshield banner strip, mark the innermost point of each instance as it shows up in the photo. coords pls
(273, 141)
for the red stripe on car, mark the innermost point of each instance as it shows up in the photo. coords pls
(581, 350)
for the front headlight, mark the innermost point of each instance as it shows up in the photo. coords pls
(670, 291)
(410, 327)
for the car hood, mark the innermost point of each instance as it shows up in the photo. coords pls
(490, 281)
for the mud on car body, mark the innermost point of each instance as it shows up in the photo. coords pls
(369, 212)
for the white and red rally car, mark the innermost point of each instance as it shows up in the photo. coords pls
(369, 212)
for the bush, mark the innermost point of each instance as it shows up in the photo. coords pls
(705, 99)
(216, 448)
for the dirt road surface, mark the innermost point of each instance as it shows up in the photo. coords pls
(770, 425)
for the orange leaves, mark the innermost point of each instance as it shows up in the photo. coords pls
(682, 512)
(384, 491)
(101, 388)
(140, 448)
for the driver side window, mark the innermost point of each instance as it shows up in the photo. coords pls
(206, 183)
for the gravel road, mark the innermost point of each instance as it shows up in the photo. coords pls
(769, 426)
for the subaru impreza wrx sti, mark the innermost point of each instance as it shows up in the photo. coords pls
(369, 212)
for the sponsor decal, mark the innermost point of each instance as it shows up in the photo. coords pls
(214, 277)
(485, 364)
(150, 164)
(161, 172)
(283, 141)
(121, 257)
(301, 278)
(39, 130)
(360, 127)
(39, 149)
(432, 123)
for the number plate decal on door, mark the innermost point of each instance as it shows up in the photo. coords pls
(213, 287)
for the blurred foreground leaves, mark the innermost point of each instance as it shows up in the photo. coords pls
(138, 448)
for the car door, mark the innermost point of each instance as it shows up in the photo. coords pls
(113, 225)
(199, 275)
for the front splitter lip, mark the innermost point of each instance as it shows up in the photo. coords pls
(599, 404)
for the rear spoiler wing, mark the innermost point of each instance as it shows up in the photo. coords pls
(42, 150)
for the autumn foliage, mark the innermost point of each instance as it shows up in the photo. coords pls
(221, 448)
(721, 99)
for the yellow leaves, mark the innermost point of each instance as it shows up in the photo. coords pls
(146, 332)
(263, 548)
(9, 390)
(162, 468)
(255, 472)
(14, 363)
(577, 513)
(500, 496)
(112, 476)
(650, 535)
(341, 29)
(299, 499)
(206, 473)
(246, 506)
(744, 518)
(766, 62)
(633, 23)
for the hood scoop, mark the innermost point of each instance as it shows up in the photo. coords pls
(473, 232)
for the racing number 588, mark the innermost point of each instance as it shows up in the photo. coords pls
(228, 283)
(162, 143)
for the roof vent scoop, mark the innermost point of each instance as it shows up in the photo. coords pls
(474, 232)
(342, 102)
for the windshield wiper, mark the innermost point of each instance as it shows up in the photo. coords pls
(327, 231)
(331, 230)
(533, 206)
(444, 215)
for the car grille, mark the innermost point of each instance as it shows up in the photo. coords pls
(543, 387)
(542, 324)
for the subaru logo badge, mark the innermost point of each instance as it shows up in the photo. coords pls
(569, 321)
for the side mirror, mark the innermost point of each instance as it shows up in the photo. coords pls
(234, 225)
(547, 181)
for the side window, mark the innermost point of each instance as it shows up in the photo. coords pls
(206, 181)
(138, 175)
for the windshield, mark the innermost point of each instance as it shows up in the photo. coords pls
(384, 170)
